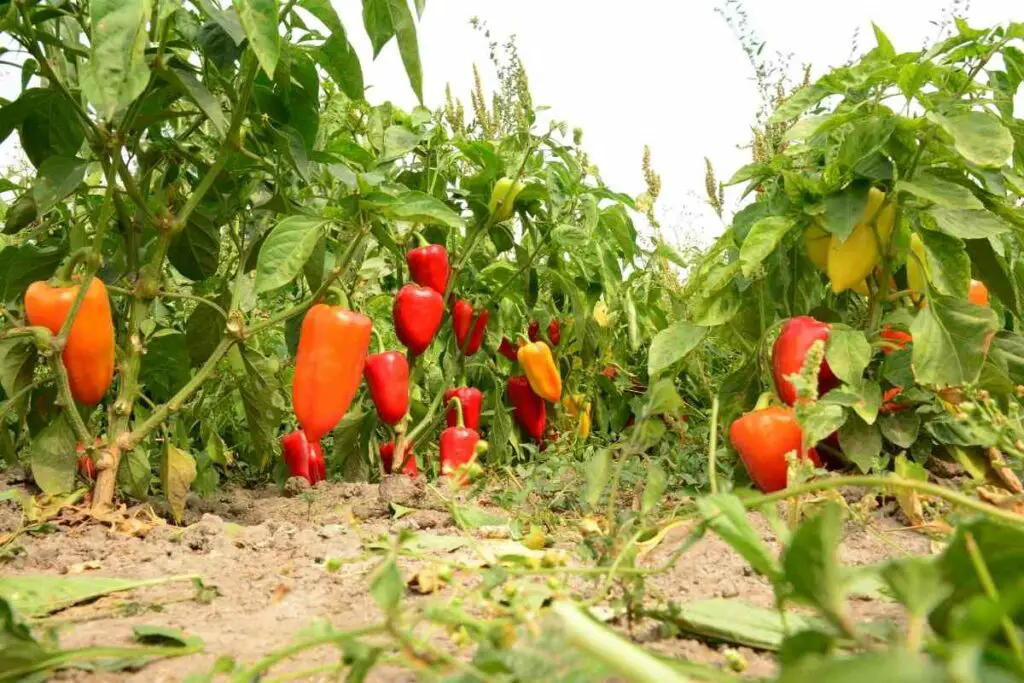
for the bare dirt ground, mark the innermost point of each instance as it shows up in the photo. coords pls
(268, 557)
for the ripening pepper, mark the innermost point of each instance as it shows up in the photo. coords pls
(762, 438)
(472, 401)
(889, 402)
(89, 353)
(503, 198)
(541, 371)
(508, 349)
(583, 428)
(417, 315)
(816, 242)
(298, 456)
(529, 409)
(387, 455)
(978, 293)
(554, 332)
(459, 447)
(428, 266)
(333, 343)
(852, 260)
(917, 266)
(898, 338)
(467, 326)
(790, 350)
(387, 375)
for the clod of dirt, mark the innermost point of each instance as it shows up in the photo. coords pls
(400, 489)
(295, 486)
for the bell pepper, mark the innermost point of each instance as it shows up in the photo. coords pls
(852, 260)
(503, 198)
(387, 375)
(88, 355)
(428, 266)
(508, 349)
(554, 332)
(298, 456)
(541, 371)
(917, 266)
(789, 353)
(583, 428)
(333, 343)
(463, 321)
(459, 447)
(387, 455)
(471, 399)
(533, 331)
(898, 338)
(978, 293)
(417, 316)
(763, 438)
(529, 409)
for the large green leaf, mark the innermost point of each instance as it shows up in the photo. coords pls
(673, 344)
(413, 206)
(340, 61)
(48, 125)
(27, 264)
(203, 331)
(263, 408)
(198, 93)
(861, 442)
(761, 241)
(968, 223)
(740, 623)
(948, 265)
(116, 72)
(951, 338)
(940, 192)
(895, 665)
(134, 473)
(17, 365)
(38, 596)
(408, 47)
(165, 367)
(848, 353)
(378, 24)
(844, 210)
(195, 251)
(52, 457)
(57, 178)
(979, 137)
(325, 12)
(259, 19)
(725, 515)
(286, 249)
(812, 565)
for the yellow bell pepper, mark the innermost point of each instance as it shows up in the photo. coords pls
(816, 241)
(850, 262)
(541, 371)
(583, 430)
(503, 198)
(601, 315)
(917, 268)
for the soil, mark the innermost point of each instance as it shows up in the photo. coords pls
(267, 555)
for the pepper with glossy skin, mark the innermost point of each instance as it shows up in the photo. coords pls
(790, 350)
(428, 266)
(89, 353)
(317, 463)
(897, 338)
(459, 447)
(851, 261)
(533, 331)
(465, 325)
(917, 266)
(762, 438)
(508, 349)
(298, 456)
(387, 458)
(554, 332)
(333, 343)
(503, 198)
(541, 371)
(583, 428)
(816, 242)
(417, 315)
(472, 401)
(529, 409)
(978, 293)
(387, 375)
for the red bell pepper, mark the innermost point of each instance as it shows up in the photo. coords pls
(387, 375)
(529, 409)
(789, 353)
(459, 447)
(417, 315)
(762, 438)
(298, 456)
(428, 266)
(463, 320)
(472, 401)
(554, 332)
(509, 350)
(387, 455)
(897, 338)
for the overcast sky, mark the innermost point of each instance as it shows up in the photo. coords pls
(668, 73)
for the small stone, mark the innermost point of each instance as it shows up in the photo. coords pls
(729, 590)
(331, 530)
(295, 486)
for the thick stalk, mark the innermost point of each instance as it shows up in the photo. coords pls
(713, 446)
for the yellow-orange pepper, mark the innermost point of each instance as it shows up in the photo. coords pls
(541, 371)
(583, 430)
(851, 261)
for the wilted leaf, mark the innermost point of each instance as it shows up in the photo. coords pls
(176, 475)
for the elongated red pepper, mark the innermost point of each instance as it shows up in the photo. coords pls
(463, 320)
(387, 456)
(417, 315)
(459, 447)
(891, 403)
(509, 350)
(790, 350)
(554, 332)
(472, 400)
(316, 462)
(898, 338)
(328, 367)
(533, 331)
(295, 450)
(428, 266)
(529, 409)
(387, 375)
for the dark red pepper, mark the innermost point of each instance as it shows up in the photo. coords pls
(459, 447)
(790, 350)
(509, 350)
(387, 455)
(428, 266)
(554, 332)
(387, 375)
(463, 320)
(86, 467)
(529, 409)
(417, 315)
(472, 400)
(297, 454)
(533, 331)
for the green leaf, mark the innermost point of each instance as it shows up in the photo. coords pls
(20, 214)
(820, 419)
(740, 623)
(947, 263)
(414, 207)
(134, 473)
(673, 344)
(165, 366)
(405, 30)
(378, 24)
(799, 102)
(844, 210)
(861, 442)
(663, 399)
(285, 250)
(991, 269)
(187, 83)
(942, 193)
(724, 514)
(325, 12)
(195, 251)
(917, 583)
(28, 263)
(52, 458)
(116, 72)
(597, 473)
(654, 488)
(979, 137)
(885, 49)
(848, 354)
(866, 137)
(569, 236)
(18, 360)
(951, 338)
(811, 563)
(386, 586)
(901, 428)
(896, 665)
(40, 595)
(761, 241)
(203, 331)
(177, 473)
(263, 408)
(293, 146)
(398, 141)
(48, 124)
(57, 178)
(869, 401)
(340, 61)
(259, 19)
(968, 224)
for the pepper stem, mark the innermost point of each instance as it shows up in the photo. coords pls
(376, 343)
(460, 419)
(340, 296)
(420, 239)
(762, 401)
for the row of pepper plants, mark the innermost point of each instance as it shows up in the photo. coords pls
(874, 285)
(212, 196)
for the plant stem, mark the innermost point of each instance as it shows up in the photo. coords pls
(713, 446)
(253, 672)
(989, 586)
(9, 403)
